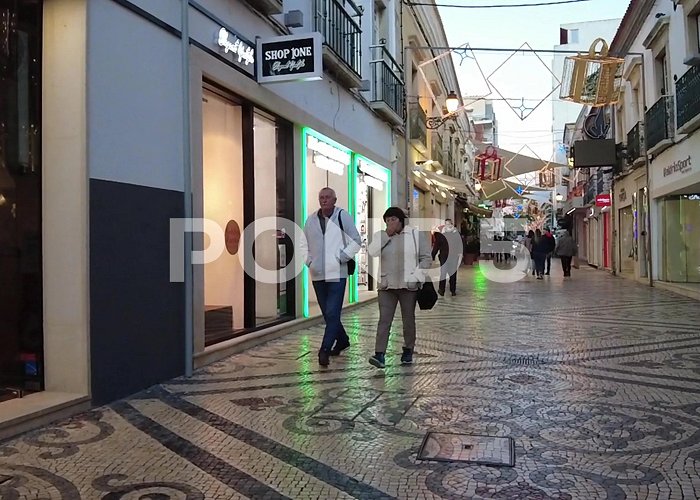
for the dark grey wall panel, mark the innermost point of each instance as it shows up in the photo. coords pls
(137, 332)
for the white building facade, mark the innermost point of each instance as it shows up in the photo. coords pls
(661, 188)
(153, 112)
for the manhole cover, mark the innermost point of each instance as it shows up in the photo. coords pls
(449, 447)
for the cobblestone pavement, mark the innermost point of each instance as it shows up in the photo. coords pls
(594, 379)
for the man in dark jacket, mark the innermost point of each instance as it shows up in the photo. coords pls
(447, 245)
(550, 243)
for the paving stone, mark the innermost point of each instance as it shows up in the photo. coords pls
(595, 380)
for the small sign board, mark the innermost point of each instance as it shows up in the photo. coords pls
(290, 58)
(603, 200)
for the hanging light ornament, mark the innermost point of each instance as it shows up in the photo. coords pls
(594, 79)
(488, 165)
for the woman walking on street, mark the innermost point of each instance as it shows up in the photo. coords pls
(527, 243)
(566, 249)
(404, 254)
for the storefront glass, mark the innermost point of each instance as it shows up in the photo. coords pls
(373, 191)
(21, 318)
(244, 146)
(626, 218)
(681, 239)
(326, 164)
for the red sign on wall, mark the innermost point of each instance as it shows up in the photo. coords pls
(603, 200)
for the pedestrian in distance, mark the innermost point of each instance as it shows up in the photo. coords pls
(404, 254)
(540, 248)
(447, 245)
(551, 245)
(528, 241)
(566, 249)
(332, 240)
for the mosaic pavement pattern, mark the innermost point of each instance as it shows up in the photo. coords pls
(595, 380)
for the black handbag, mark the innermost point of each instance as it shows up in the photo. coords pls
(351, 263)
(427, 296)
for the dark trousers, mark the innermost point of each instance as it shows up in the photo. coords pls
(566, 264)
(444, 273)
(539, 262)
(330, 296)
(548, 263)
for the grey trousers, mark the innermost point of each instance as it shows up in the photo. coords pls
(387, 307)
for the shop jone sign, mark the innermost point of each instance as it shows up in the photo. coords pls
(290, 58)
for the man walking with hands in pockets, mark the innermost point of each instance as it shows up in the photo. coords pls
(332, 241)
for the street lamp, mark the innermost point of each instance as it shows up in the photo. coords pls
(477, 186)
(452, 102)
(559, 197)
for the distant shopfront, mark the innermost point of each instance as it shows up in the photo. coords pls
(630, 202)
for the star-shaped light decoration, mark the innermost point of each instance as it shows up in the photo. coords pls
(522, 110)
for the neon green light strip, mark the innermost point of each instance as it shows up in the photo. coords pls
(304, 208)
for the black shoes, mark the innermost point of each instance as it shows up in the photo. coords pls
(441, 292)
(323, 358)
(407, 356)
(339, 347)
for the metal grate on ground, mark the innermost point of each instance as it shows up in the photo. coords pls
(483, 450)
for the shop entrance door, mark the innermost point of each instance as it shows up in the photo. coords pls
(21, 314)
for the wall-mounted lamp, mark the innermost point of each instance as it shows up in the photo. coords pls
(477, 186)
(559, 197)
(452, 102)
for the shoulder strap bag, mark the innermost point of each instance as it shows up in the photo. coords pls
(427, 296)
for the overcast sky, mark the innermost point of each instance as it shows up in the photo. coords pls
(523, 76)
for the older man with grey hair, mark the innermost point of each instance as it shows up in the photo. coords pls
(332, 241)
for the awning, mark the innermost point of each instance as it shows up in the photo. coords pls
(520, 163)
(479, 211)
(502, 190)
(448, 182)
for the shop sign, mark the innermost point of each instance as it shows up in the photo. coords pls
(290, 58)
(243, 53)
(603, 200)
(680, 166)
(327, 156)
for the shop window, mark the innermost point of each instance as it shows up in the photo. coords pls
(21, 315)
(247, 175)
(681, 244)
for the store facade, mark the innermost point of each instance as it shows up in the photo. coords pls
(630, 202)
(676, 195)
(112, 298)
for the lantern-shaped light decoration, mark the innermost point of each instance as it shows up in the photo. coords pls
(488, 165)
(594, 79)
(547, 177)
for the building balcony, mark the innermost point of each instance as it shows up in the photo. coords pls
(634, 146)
(342, 48)
(267, 7)
(418, 125)
(388, 93)
(688, 101)
(659, 121)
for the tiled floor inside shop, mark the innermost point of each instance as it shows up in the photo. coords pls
(595, 381)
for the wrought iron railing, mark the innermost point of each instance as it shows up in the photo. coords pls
(334, 20)
(387, 80)
(634, 143)
(418, 123)
(659, 121)
(688, 96)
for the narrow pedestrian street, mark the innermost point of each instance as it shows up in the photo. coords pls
(595, 380)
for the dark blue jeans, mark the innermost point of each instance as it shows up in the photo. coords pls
(330, 296)
(539, 262)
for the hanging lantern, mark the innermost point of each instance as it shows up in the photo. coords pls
(488, 165)
(594, 79)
